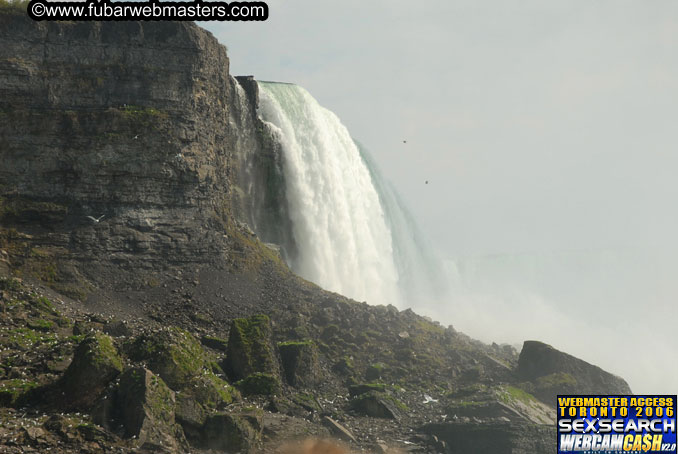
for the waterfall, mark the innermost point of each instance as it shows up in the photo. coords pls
(352, 234)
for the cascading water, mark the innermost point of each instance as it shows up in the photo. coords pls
(351, 233)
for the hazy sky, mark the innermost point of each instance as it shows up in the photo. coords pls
(543, 127)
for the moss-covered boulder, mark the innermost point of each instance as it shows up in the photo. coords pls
(259, 384)
(231, 433)
(300, 363)
(377, 405)
(194, 403)
(95, 364)
(191, 415)
(173, 354)
(14, 391)
(145, 409)
(211, 391)
(249, 348)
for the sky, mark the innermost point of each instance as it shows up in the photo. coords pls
(547, 133)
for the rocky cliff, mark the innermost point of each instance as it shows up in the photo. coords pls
(141, 312)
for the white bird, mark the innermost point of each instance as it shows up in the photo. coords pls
(96, 220)
(136, 137)
(428, 399)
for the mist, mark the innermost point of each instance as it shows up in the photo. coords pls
(546, 132)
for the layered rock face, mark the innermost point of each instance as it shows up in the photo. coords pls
(135, 122)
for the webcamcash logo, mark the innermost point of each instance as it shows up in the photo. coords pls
(616, 424)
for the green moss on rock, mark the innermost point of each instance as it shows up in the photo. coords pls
(249, 347)
(300, 363)
(12, 391)
(96, 363)
(172, 353)
(146, 410)
(259, 384)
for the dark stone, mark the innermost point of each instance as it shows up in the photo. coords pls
(146, 411)
(552, 372)
(249, 348)
(95, 364)
(172, 353)
(495, 438)
(216, 343)
(300, 363)
(229, 433)
(259, 384)
(376, 405)
(117, 328)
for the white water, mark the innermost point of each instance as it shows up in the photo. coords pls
(343, 239)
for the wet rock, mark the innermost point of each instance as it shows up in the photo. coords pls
(300, 363)
(95, 364)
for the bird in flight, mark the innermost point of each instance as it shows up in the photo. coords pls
(404, 141)
(136, 137)
(96, 220)
(426, 181)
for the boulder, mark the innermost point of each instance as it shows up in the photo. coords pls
(377, 405)
(231, 433)
(249, 348)
(499, 438)
(173, 354)
(259, 384)
(300, 363)
(95, 364)
(194, 403)
(550, 372)
(146, 410)
(117, 328)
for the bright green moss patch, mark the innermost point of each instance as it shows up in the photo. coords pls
(295, 344)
